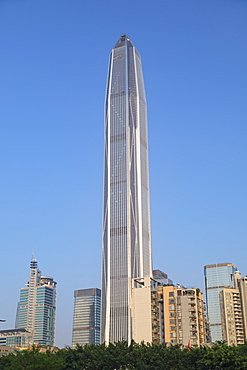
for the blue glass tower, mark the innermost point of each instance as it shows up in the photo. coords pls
(217, 277)
(37, 307)
(86, 321)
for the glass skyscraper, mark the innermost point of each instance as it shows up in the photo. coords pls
(217, 277)
(126, 235)
(37, 307)
(86, 321)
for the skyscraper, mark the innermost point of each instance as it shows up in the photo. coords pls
(86, 321)
(37, 307)
(217, 277)
(126, 250)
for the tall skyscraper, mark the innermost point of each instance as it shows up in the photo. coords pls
(37, 307)
(217, 277)
(126, 210)
(86, 321)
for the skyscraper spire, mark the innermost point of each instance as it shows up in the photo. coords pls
(33, 262)
(126, 247)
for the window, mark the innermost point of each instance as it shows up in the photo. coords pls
(171, 294)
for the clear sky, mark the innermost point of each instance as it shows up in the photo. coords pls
(53, 67)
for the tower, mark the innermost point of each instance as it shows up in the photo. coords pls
(126, 239)
(86, 321)
(37, 307)
(217, 277)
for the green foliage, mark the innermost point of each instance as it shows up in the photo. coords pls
(120, 356)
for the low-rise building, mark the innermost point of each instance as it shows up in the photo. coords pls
(17, 338)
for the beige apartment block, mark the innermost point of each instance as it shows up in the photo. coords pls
(233, 306)
(145, 311)
(167, 314)
(183, 316)
(231, 315)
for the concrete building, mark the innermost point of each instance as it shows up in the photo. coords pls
(145, 311)
(217, 277)
(182, 315)
(86, 319)
(36, 310)
(233, 305)
(126, 236)
(15, 338)
(167, 314)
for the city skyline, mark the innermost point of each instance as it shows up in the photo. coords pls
(53, 74)
(126, 239)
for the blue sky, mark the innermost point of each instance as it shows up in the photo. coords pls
(53, 68)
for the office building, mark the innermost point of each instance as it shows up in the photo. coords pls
(217, 277)
(15, 338)
(37, 307)
(162, 277)
(86, 320)
(126, 249)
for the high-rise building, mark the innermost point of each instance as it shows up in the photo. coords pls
(146, 320)
(217, 277)
(183, 315)
(233, 303)
(37, 307)
(126, 249)
(168, 314)
(86, 321)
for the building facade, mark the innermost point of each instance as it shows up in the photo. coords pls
(15, 338)
(145, 312)
(233, 303)
(182, 316)
(126, 239)
(217, 277)
(168, 314)
(37, 307)
(86, 319)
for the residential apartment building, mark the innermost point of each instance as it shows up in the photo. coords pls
(145, 313)
(183, 317)
(168, 314)
(233, 305)
(86, 319)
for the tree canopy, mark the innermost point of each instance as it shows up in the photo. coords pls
(121, 356)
